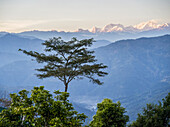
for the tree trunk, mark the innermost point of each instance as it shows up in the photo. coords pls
(66, 87)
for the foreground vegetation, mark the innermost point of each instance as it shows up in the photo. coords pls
(41, 109)
(154, 115)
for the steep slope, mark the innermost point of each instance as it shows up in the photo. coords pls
(142, 61)
(132, 63)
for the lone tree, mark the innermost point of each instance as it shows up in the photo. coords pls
(68, 60)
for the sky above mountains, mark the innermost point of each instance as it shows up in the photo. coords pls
(69, 15)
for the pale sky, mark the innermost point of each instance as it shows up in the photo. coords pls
(69, 15)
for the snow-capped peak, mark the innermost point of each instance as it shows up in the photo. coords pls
(95, 30)
(112, 27)
(82, 31)
(144, 26)
(152, 24)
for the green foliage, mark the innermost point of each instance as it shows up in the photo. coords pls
(1, 108)
(109, 114)
(154, 115)
(68, 60)
(41, 109)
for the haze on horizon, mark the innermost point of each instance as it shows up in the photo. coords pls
(66, 15)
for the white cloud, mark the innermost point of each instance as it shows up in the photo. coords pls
(19, 25)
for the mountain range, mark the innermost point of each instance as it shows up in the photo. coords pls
(111, 32)
(144, 26)
(139, 72)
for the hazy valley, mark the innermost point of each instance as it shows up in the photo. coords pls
(139, 71)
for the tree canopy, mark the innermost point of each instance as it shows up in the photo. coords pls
(68, 60)
(41, 109)
(154, 115)
(109, 114)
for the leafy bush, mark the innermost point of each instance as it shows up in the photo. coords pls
(109, 114)
(154, 115)
(41, 109)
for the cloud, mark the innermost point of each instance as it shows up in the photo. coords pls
(19, 25)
